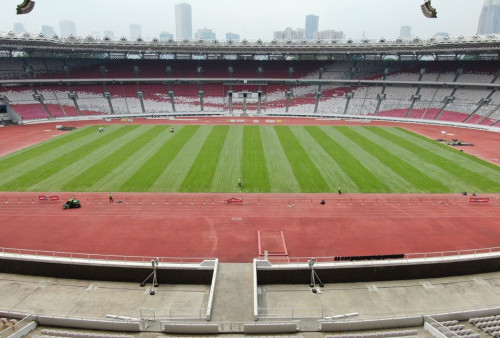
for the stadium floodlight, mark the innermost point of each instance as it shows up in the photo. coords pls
(428, 10)
(25, 7)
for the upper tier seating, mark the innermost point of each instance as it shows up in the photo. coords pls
(335, 99)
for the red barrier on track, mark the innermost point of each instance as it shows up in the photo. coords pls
(234, 200)
(479, 199)
(48, 198)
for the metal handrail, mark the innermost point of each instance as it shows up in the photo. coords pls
(407, 256)
(88, 257)
(9, 330)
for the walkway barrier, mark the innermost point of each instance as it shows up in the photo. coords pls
(248, 200)
(172, 314)
(190, 328)
(274, 327)
(20, 328)
(77, 322)
(374, 259)
(295, 313)
(92, 258)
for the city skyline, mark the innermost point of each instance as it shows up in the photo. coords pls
(259, 21)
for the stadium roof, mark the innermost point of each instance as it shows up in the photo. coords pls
(481, 47)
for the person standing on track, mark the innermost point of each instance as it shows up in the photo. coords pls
(110, 195)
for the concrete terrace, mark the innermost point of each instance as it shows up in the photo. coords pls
(233, 299)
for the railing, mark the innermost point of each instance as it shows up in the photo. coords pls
(93, 258)
(440, 327)
(104, 200)
(171, 314)
(10, 330)
(211, 199)
(295, 313)
(407, 257)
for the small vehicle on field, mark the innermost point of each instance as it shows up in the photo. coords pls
(72, 203)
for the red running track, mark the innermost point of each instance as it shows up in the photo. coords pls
(201, 225)
(185, 225)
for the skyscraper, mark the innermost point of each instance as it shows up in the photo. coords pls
(183, 24)
(67, 28)
(165, 36)
(205, 34)
(233, 37)
(18, 28)
(405, 32)
(311, 26)
(109, 34)
(48, 30)
(135, 31)
(288, 34)
(489, 21)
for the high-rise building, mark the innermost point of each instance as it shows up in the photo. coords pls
(67, 28)
(328, 34)
(233, 37)
(441, 34)
(405, 32)
(48, 30)
(204, 34)
(18, 28)
(135, 31)
(311, 26)
(489, 21)
(289, 34)
(183, 23)
(165, 36)
(109, 34)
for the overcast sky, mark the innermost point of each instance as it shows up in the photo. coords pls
(251, 19)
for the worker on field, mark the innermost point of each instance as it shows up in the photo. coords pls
(340, 190)
(240, 182)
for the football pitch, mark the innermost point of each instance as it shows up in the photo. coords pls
(149, 158)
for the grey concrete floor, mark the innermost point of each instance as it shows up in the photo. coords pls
(233, 300)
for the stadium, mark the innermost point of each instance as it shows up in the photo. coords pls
(340, 188)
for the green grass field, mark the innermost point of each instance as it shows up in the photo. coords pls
(148, 158)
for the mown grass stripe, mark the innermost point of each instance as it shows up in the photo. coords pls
(39, 173)
(434, 170)
(116, 178)
(33, 152)
(364, 179)
(15, 162)
(151, 170)
(200, 176)
(175, 173)
(254, 171)
(106, 164)
(421, 181)
(58, 179)
(327, 166)
(471, 162)
(306, 173)
(281, 177)
(229, 166)
(392, 181)
(457, 176)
